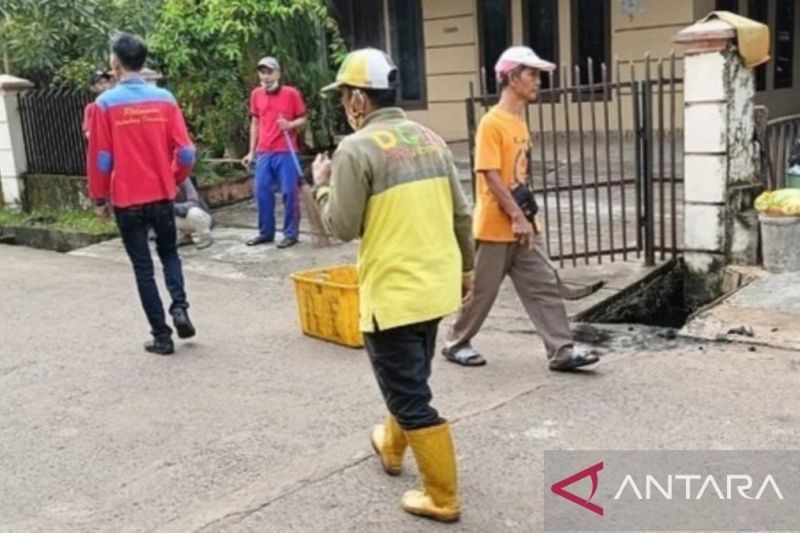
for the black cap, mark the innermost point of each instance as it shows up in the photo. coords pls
(97, 76)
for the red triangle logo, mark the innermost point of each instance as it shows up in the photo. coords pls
(558, 488)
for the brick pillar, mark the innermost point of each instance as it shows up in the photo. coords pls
(720, 169)
(12, 146)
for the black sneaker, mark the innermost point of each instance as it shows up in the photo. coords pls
(180, 319)
(260, 239)
(162, 346)
(287, 242)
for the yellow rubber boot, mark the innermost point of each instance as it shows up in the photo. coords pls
(436, 460)
(389, 442)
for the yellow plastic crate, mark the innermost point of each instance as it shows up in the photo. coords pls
(327, 301)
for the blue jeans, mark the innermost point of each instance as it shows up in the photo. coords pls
(272, 169)
(133, 223)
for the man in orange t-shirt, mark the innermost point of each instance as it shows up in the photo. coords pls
(507, 239)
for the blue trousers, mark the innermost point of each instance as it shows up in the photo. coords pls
(275, 169)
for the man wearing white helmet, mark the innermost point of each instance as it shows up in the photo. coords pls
(394, 184)
(507, 238)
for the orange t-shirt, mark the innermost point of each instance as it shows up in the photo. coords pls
(502, 143)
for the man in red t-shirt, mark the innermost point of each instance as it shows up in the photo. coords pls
(99, 82)
(277, 111)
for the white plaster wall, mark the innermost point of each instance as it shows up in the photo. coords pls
(704, 228)
(706, 127)
(704, 78)
(741, 131)
(708, 183)
(12, 148)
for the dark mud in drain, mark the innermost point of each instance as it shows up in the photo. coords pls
(659, 301)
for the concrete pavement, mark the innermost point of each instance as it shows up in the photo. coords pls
(229, 257)
(765, 312)
(253, 427)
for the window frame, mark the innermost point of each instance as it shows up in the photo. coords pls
(717, 6)
(584, 95)
(350, 39)
(487, 71)
(526, 37)
(392, 45)
(389, 44)
(792, 26)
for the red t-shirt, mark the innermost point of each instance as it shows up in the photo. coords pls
(287, 103)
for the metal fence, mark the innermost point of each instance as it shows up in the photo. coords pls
(783, 134)
(606, 161)
(51, 126)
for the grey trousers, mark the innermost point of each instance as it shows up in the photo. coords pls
(536, 283)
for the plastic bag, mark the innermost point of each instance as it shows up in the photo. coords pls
(783, 202)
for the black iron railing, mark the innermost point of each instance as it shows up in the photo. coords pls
(783, 135)
(608, 168)
(51, 126)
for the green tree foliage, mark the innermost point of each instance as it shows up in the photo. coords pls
(209, 50)
(62, 40)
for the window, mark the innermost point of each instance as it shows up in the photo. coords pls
(728, 5)
(591, 23)
(494, 17)
(361, 22)
(541, 32)
(758, 10)
(408, 48)
(784, 44)
(364, 23)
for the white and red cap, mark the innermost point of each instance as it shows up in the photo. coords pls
(520, 55)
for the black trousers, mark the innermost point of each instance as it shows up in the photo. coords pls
(401, 359)
(133, 223)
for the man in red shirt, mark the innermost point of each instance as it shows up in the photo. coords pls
(139, 151)
(99, 82)
(277, 111)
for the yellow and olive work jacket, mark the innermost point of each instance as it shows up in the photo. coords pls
(394, 184)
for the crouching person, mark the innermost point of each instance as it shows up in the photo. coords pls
(192, 217)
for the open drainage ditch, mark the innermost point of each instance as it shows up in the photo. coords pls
(658, 300)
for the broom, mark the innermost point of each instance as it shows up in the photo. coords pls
(319, 234)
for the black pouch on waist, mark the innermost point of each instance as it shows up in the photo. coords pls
(524, 198)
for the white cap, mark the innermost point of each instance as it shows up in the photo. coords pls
(521, 55)
(269, 62)
(368, 68)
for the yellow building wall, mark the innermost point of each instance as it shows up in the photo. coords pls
(648, 29)
(452, 56)
(451, 63)
(644, 27)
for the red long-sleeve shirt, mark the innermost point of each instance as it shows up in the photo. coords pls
(139, 149)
